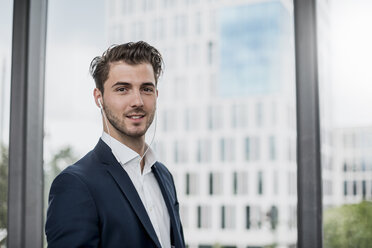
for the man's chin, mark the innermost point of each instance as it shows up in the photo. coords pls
(135, 134)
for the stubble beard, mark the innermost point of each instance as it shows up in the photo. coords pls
(119, 123)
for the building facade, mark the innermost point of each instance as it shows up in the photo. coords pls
(226, 113)
(353, 165)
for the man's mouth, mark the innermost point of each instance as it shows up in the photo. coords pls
(136, 116)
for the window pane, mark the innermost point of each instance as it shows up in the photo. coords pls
(75, 36)
(346, 121)
(228, 93)
(226, 63)
(6, 19)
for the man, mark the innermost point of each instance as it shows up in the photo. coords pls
(118, 195)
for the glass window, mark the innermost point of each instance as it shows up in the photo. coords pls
(228, 85)
(204, 217)
(6, 18)
(72, 123)
(215, 183)
(192, 183)
(227, 217)
(260, 183)
(240, 183)
(247, 149)
(259, 114)
(276, 183)
(344, 51)
(247, 217)
(272, 148)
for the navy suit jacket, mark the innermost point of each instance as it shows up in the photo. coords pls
(93, 203)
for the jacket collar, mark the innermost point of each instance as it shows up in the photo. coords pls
(176, 232)
(122, 179)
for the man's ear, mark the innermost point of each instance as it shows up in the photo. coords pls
(97, 95)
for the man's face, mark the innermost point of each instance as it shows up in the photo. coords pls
(129, 98)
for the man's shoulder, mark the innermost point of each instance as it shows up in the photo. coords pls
(84, 167)
(163, 169)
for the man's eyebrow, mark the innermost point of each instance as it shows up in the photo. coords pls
(148, 84)
(120, 84)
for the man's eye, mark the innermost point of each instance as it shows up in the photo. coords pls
(148, 89)
(121, 89)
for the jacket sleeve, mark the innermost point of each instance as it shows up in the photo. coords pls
(72, 219)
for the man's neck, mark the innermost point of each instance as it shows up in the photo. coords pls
(136, 144)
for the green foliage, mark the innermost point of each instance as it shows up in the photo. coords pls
(348, 226)
(3, 185)
(271, 246)
(64, 157)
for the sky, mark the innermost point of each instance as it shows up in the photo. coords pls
(76, 34)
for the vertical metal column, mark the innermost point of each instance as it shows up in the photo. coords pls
(25, 198)
(309, 167)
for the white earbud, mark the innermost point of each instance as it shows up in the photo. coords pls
(99, 102)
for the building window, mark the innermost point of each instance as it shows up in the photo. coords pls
(364, 189)
(256, 147)
(247, 217)
(354, 188)
(239, 116)
(272, 147)
(240, 183)
(176, 148)
(222, 150)
(274, 110)
(255, 217)
(247, 150)
(223, 224)
(169, 120)
(214, 115)
(276, 183)
(128, 7)
(215, 182)
(198, 27)
(203, 152)
(274, 217)
(227, 149)
(180, 151)
(259, 114)
(204, 215)
(234, 116)
(191, 119)
(292, 224)
(228, 216)
(260, 183)
(345, 188)
(192, 184)
(210, 56)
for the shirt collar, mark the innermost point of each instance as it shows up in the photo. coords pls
(124, 154)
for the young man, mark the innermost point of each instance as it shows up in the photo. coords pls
(118, 195)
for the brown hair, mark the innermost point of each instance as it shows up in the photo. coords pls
(132, 53)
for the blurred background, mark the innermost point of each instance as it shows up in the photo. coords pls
(227, 110)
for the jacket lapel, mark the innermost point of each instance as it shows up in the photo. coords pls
(176, 237)
(126, 186)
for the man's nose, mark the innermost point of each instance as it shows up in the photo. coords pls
(136, 100)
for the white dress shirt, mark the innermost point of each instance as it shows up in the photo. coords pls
(146, 185)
